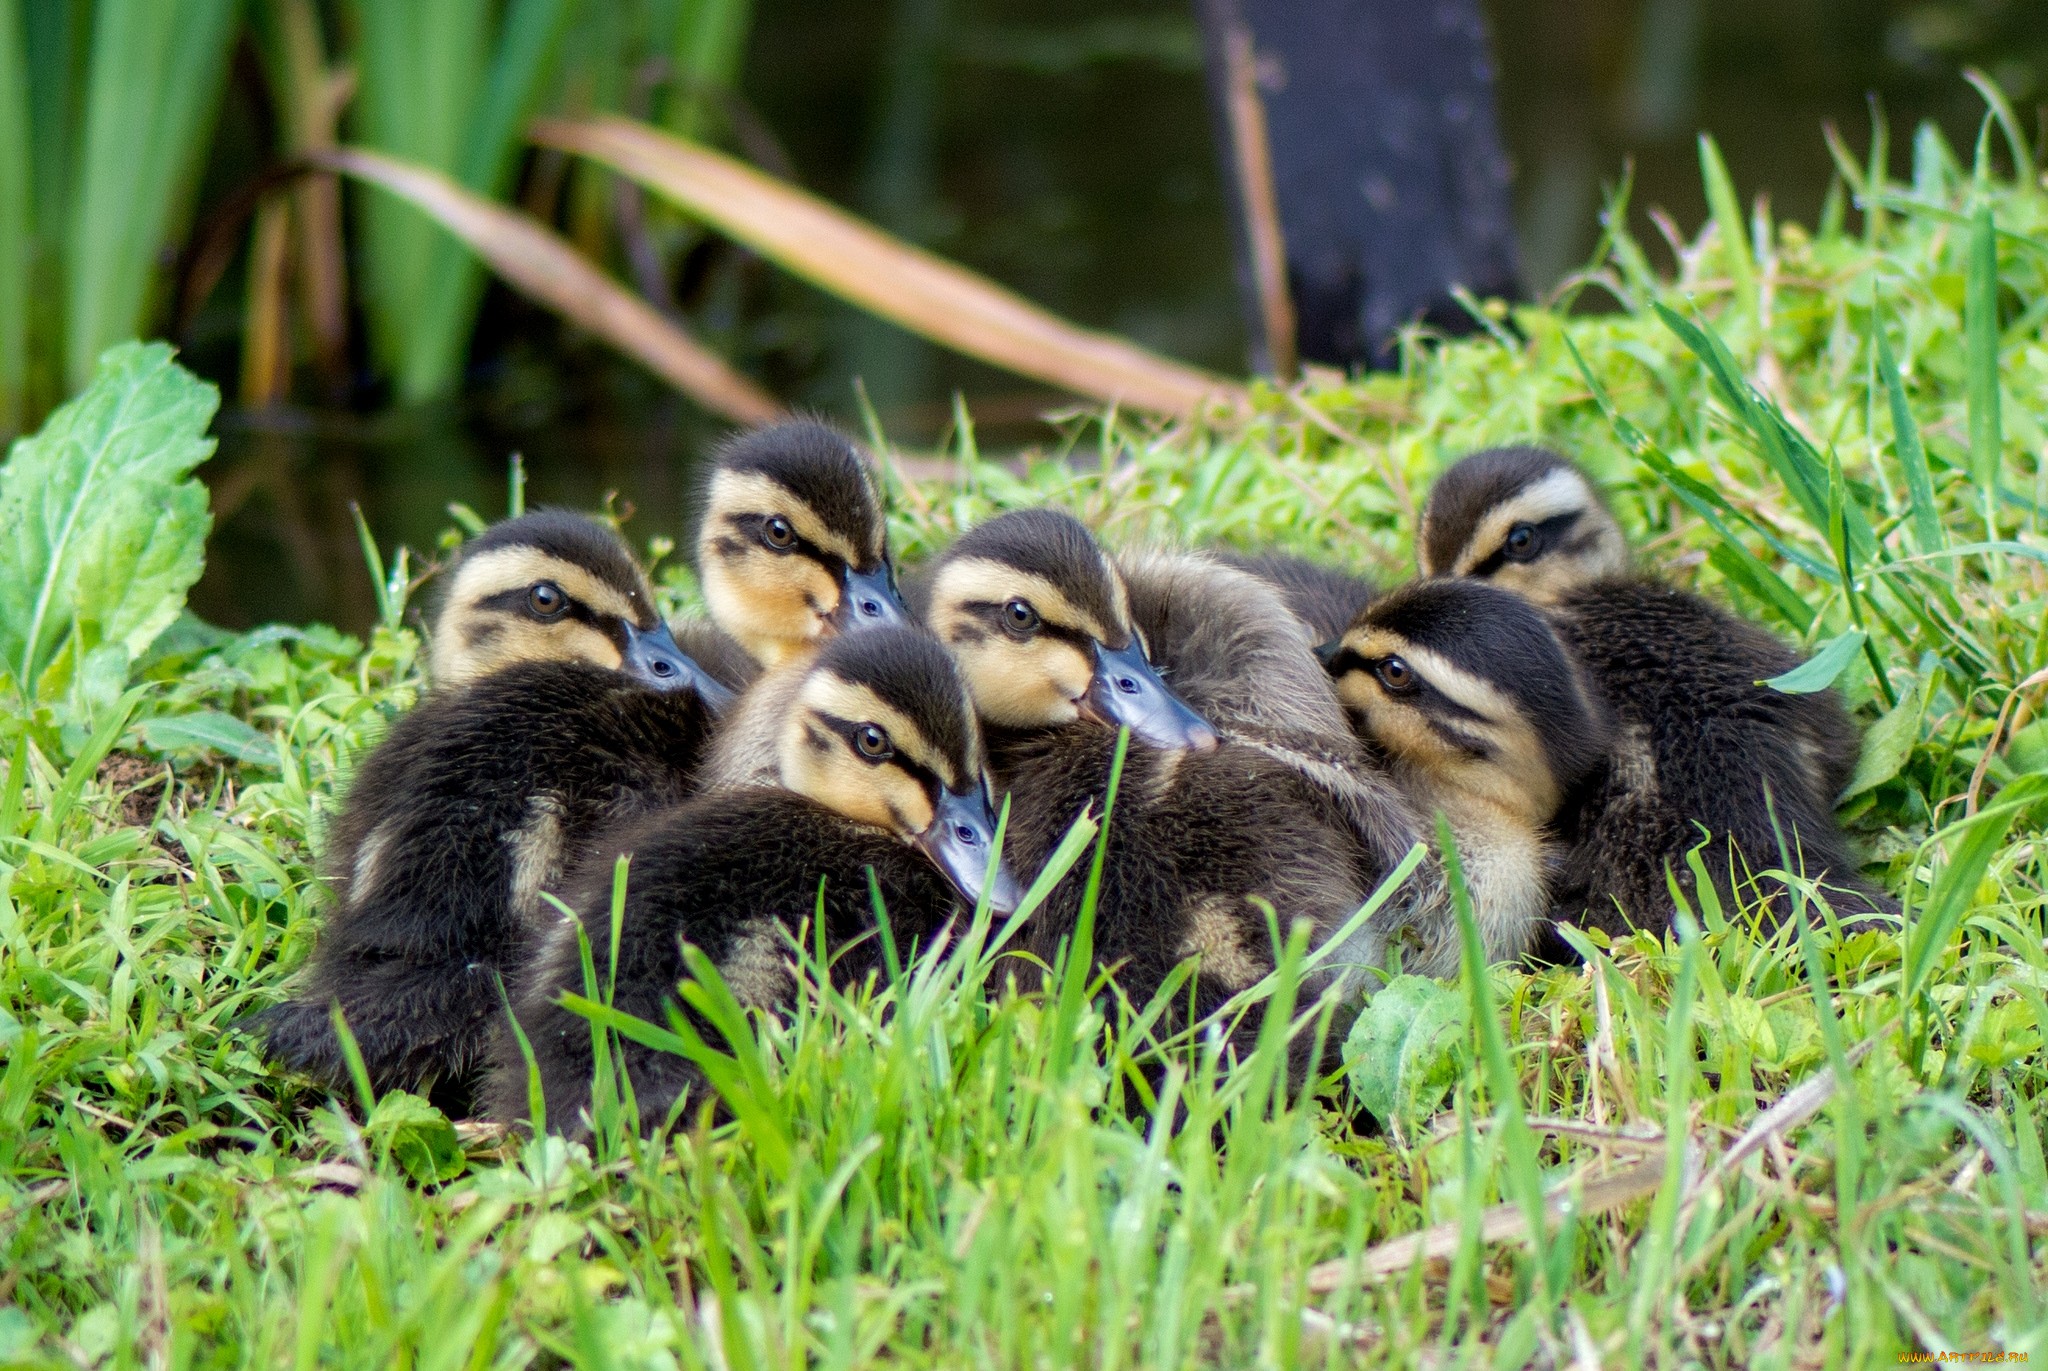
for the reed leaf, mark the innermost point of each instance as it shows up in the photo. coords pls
(858, 262)
(535, 260)
(16, 224)
(157, 71)
(442, 89)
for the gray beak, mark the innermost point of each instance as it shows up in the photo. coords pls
(1327, 653)
(1127, 691)
(869, 599)
(959, 841)
(653, 657)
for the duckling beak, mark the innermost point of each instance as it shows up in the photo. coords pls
(1327, 653)
(1126, 690)
(654, 657)
(961, 837)
(869, 599)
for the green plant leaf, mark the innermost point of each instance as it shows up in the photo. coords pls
(1819, 671)
(1727, 212)
(1406, 1050)
(1912, 453)
(208, 729)
(420, 1138)
(102, 532)
(1888, 743)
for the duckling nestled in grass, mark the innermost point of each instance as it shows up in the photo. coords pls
(1206, 835)
(792, 551)
(560, 704)
(1481, 714)
(1700, 747)
(879, 775)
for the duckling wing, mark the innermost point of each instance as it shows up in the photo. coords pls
(738, 875)
(470, 809)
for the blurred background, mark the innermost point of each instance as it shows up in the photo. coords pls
(1065, 148)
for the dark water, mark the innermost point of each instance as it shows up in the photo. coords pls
(1062, 147)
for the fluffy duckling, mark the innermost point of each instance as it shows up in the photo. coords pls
(559, 704)
(1697, 741)
(792, 550)
(1205, 835)
(1482, 716)
(792, 542)
(879, 774)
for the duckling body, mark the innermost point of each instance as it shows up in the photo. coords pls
(561, 706)
(1058, 643)
(1482, 716)
(1697, 740)
(879, 774)
(1323, 597)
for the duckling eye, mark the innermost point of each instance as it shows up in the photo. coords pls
(1020, 618)
(1395, 674)
(546, 599)
(1522, 544)
(873, 743)
(778, 533)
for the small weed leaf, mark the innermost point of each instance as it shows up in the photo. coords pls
(102, 531)
(1820, 670)
(1406, 1050)
(418, 1136)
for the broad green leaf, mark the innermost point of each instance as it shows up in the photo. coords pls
(212, 730)
(420, 1137)
(1819, 671)
(102, 531)
(1888, 743)
(1406, 1049)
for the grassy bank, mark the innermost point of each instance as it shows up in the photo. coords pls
(1834, 1145)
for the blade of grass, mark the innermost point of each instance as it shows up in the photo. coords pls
(1980, 322)
(858, 262)
(1906, 444)
(1726, 210)
(1080, 964)
(538, 262)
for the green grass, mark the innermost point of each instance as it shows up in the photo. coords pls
(944, 1172)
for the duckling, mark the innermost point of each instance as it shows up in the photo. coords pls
(1483, 717)
(1323, 597)
(1697, 740)
(560, 703)
(880, 774)
(1206, 834)
(792, 550)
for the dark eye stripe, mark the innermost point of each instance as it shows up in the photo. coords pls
(1547, 532)
(756, 527)
(991, 612)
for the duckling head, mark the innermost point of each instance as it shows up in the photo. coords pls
(1468, 691)
(793, 547)
(1522, 518)
(1039, 619)
(554, 586)
(883, 732)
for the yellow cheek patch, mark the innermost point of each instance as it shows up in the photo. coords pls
(735, 495)
(818, 763)
(1029, 684)
(772, 603)
(470, 644)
